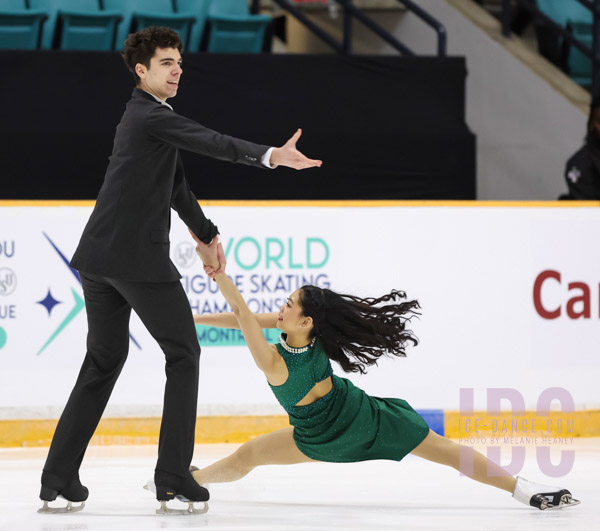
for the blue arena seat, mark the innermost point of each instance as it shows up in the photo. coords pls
(199, 10)
(140, 14)
(77, 24)
(580, 66)
(575, 17)
(563, 10)
(20, 28)
(233, 29)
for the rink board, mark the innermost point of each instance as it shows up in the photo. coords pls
(510, 296)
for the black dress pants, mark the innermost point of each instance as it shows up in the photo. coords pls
(164, 309)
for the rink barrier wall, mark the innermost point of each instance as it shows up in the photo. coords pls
(219, 429)
(239, 429)
(140, 431)
(558, 424)
(413, 140)
(124, 431)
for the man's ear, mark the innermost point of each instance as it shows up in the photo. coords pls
(140, 70)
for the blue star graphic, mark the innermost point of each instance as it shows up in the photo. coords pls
(49, 302)
(79, 303)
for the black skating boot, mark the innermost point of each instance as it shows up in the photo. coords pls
(72, 492)
(169, 486)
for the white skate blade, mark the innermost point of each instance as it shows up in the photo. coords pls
(70, 508)
(191, 508)
(164, 510)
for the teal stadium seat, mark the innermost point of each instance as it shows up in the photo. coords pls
(580, 66)
(233, 29)
(140, 14)
(575, 17)
(199, 10)
(20, 28)
(77, 24)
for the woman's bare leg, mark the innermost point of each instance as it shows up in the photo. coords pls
(446, 452)
(277, 448)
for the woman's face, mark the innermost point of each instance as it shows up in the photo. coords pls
(291, 317)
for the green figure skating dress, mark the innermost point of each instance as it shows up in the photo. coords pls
(346, 425)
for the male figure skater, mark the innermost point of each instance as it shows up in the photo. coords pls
(123, 261)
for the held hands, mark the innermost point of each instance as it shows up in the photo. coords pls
(211, 271)
(212, 255)
(288, 155)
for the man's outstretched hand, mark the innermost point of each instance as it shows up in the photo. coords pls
(288, 155)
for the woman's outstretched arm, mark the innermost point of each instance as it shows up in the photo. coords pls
(265, 355)
(228, 320)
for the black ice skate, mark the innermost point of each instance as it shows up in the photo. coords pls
(74, 492)
(185, 490)
(542, 496)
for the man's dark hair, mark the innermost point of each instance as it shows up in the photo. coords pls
(141, 46)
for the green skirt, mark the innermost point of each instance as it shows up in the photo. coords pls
(348, 425)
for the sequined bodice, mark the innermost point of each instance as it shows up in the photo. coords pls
(306, 366)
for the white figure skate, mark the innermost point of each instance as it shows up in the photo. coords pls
(542, 496)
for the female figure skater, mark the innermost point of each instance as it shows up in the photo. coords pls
(332, 420)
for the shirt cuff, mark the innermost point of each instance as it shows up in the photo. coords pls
(266, 158)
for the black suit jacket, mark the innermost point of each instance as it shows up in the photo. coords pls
(127, 235)
(582, 173)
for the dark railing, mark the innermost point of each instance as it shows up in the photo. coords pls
(350, 12)
(593, 54)
(429, 20)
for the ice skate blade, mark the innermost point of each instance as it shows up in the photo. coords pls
(192, 509)
(565, 501)
(70, 508)
(545, 502)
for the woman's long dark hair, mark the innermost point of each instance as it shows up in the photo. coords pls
(356, 332)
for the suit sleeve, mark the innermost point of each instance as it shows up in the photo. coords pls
(169, 127)
(184, 202)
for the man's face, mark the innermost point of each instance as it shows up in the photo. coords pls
(162, 78)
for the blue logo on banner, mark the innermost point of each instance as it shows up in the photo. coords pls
(49, 302)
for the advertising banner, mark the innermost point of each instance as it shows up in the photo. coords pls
(510, 298)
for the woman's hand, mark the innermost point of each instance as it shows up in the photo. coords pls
(211, 271)
(212, 255)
